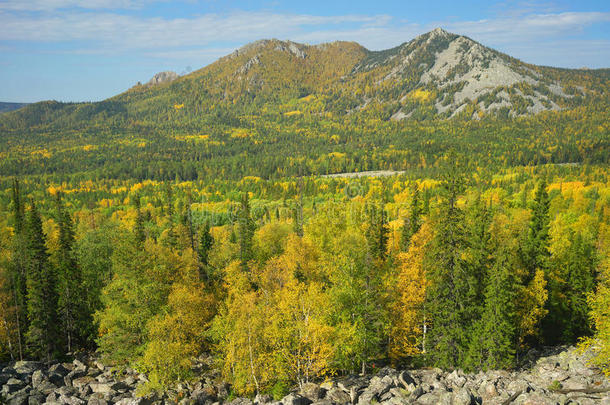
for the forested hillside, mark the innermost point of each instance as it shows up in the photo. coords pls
(191, 216)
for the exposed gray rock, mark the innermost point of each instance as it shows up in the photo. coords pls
(162, 77)
(312, 391)
(27, 367)
(296, 399)
(338, 396)
(561, 368)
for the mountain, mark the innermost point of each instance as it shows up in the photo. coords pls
(6, 107)
(275, 108)
(435, 75)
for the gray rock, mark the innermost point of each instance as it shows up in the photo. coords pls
(240, 401)
(71, 400)
(46, 387)
(312, 391)
(66, 391)
(163, 77)
(79, 364)
(37, 378)
(4, 377)
(81, 381)
(11, 386)
(462, 396)
(418, 392)
(534, 398)
(435, 398)
(97, 401)
(27, 367)
(102, 388)
(377, 387)
(59, 368)
(18, 399)
(36, 398)
(338, 396)
(296, 399)
(456, 379)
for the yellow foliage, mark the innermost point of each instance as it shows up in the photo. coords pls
(239, 133)
(531, 306)
(420, 95)
(291, 113)
(408, 314)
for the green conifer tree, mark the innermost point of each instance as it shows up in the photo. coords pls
(450, 294)
(245, 234)
(17, 270)
(203, 253)
(75, 318)
(43, 334)
(413, 222)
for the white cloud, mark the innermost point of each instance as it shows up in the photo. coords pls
(51, 5)
(128, 32)
(530, 27)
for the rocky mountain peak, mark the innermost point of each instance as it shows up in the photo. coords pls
(162, 77)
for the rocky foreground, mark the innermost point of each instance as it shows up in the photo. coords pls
(560, 376)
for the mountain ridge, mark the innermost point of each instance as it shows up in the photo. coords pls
(435, 75)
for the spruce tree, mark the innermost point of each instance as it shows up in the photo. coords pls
(17, 270)
(75, 317)
(413, 222)
(203, 252)
(377, 232)
(245, 234)
(536, 249)
(494, 339)
(139, 227)
(449, 297)
(43, 333)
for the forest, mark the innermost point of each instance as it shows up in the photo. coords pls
(295, 279)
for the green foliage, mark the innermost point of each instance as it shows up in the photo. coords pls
(43, 332)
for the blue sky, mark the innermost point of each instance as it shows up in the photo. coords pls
(80, 50)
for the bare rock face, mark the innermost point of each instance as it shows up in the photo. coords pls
(162, 77)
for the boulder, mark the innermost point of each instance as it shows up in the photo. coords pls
(312, 391)
(36, 398)
(59, 368)
(69, 400)
(11, 386)
(377, 387)
(435, 398)
(338, 396)
(462, 396)
(20, 398)
(240, 401)
(4, 377)
(27, 367)
(102, 388)
(81, 381)
(296, 399)
(73, 375)
(456, 379)
(37, 378)
(97, 401)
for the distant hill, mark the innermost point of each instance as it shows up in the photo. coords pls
(6, 107)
